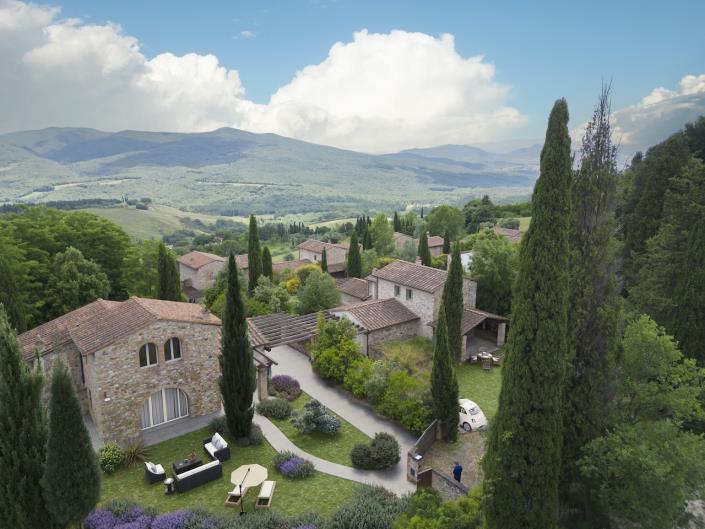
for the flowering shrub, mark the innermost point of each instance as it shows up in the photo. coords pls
(316, 417)
(123, 517)
(172, 520)
(110, 457)
(286, 387)
(292, 466)
(100, 519)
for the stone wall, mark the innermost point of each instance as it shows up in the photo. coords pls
(423, 304)
(119, 386)
(402, 331)
(334, 255)
(347, 299)
(71, 358)
(204, 276)
(469, 292)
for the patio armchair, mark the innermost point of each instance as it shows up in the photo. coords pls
(217, 447)
(154, 473)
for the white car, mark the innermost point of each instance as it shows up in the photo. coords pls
(471, 416)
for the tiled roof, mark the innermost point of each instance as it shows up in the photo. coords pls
(413, 275)
(474, 317)
(242, 261)
(378, 314)
(198, 260)
(313, 245)
(101, 323)
(402, 238)
(435, 240)
(336, 268)
(512, 235)
(355, 287)
(290, 265)
(281, 328)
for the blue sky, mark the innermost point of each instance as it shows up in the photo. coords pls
(533, 52)
(542, 49)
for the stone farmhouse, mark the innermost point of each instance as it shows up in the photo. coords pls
(400, 239)
(511, 234)
(435, 243)
(353, 290)
(137, 364)
(336, 254)
(197, 271)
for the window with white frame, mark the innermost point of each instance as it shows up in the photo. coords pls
(409, 294)
(163, 406)
(148, 355)
(172, 349)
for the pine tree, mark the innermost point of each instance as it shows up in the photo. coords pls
(453, 303)
(446, 243)
(522, 465)
(169, 282)
(690, 311)
(267, 269)
(23, 436)
(324, 261)
(237, 370)
(353, 267)
(71, 480)
(424, 251)
(592, 317)
(254, 256)
(397, 222)
(444, 384)
(11, 297)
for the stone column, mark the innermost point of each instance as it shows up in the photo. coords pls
(262, 382)
(501, 334)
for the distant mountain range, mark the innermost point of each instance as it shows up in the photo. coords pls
(233, 171)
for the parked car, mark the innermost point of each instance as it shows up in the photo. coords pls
(471, 416)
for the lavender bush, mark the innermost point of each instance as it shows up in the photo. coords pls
(286, 387)
(100, 519)
(292, 466)
(172, 520)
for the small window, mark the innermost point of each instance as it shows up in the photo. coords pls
(172, 349)
(148, 355)
(409, 293)
(397, 290)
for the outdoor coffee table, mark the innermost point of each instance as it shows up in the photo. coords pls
(185, 465)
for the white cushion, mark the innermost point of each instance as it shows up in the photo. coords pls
(158, 469)
(219, 442)
(266, 490)
(151, 467)
(210, 449)
(198, 469)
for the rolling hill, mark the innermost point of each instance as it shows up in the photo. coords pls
(229, 171)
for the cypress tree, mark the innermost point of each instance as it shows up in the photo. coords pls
(446, 243)
(254, 256)
(353, 267)
(324, 261)
(169, 282)
(453, 303)
(10, 296)
(237, 369)
(444, 384)
(522, 465)
(267, 269)
(367, 239)
(592, 314)
(424, 251)
(397, 222)
(71, 480)
(23, 437)
(690, 310)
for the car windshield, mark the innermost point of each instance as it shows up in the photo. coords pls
(474, 411)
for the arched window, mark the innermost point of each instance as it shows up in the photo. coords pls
(163, 406)
(172, 349)
(148, 355)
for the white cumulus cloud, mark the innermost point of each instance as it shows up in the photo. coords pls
(378, 92)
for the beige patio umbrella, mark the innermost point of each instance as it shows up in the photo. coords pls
(248, 475)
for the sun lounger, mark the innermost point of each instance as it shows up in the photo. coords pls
(266, 493)
(235, 496)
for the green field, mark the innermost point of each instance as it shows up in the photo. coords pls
(290, 496)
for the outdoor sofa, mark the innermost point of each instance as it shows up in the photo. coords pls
(198, 476)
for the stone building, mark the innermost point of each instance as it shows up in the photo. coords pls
(353, 290)
(197, 271)
(136, 364)
(336, 254)
(435, 245)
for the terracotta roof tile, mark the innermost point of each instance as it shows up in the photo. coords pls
(512, 235)
(474, 317)
(242, 261)
(355, 287)
(316, 246)
(377, 314)
(198, 260)
(290, 265)
(434, 241)
(413, 275)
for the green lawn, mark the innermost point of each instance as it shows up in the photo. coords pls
(482, 386)
(321, 493)
(335, 448)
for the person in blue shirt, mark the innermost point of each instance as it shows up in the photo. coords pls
(457, 471)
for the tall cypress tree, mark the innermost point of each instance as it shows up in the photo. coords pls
(237, 369)
(453, 303)
(424, 251)
(367, 239)
(169, 282)
(254, 256)
(23, 436)
(690, 310)
(324, 261)
(522, 465)
(397, 222)
(71, 480)
(267, 269)
(10, 296)
(444, 384)
(446, 243)
(592, 314)
(353, 267)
